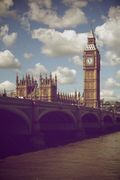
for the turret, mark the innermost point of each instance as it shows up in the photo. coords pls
(40, 78)
(17, 79)
(55, 79)
(50, 76)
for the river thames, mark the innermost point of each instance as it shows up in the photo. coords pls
(95, 159)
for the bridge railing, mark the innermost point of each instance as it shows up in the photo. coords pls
(12, 100)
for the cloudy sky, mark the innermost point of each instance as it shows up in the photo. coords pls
(43, 36)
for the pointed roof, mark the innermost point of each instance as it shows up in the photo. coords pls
(91, 45)
(91, 34)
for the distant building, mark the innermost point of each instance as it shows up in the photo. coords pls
(45, 90)
(48, 88)
(110, 105)
(26, 87)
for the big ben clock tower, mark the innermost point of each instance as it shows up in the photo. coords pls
(91, 67)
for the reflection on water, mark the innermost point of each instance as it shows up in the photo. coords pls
(97, 158)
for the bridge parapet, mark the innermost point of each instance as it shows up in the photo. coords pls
(15, 101)
(54, 104)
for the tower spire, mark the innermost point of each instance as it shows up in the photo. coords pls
(91, 30)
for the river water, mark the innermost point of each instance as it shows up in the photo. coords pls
(94, 159)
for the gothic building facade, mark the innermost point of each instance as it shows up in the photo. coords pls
(45, 90)
(26, 86)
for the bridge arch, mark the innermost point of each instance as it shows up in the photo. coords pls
(118, 120)
(69, 113)
(89, 119)
(14, 121)
(91, 123)
(118, 123)
(108, 120)
(57, 121)
(57, 126)
(108, 124)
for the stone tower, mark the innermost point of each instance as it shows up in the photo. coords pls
(91, 67)
(26, 87)
(48, 88)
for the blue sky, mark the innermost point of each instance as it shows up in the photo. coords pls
(39, 36)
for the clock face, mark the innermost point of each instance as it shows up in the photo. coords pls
(89, 60)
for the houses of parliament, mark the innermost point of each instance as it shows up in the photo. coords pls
(46, 88)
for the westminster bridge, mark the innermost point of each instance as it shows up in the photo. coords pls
(29, 117)
(27, 124)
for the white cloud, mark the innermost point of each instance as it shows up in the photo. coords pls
(111, 89)
(111, 59)
(57, 43)
(77, 61)
(108, 94)
(112, 83)
(37, 70)
(5, 5)
(8, 39)
(72, 18)
(28, 55)
(118, 74)
(43, 12)
(4, 30)
(109, 33)
(114, 12)
(8, 86)
(65, 75)
(8, 60)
